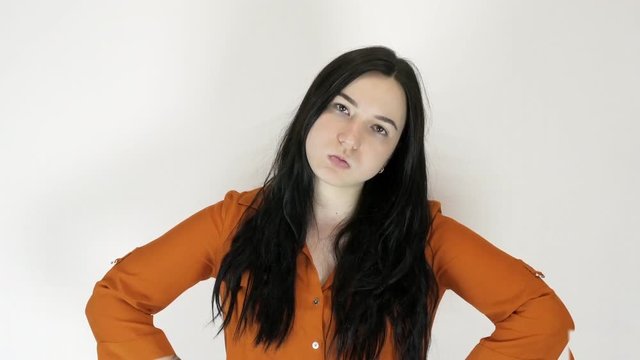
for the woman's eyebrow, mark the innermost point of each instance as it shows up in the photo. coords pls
(379, 117)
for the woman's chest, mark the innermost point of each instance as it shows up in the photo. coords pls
(322, 254)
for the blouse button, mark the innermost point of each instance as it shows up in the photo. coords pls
(316, 301)
(315, 345)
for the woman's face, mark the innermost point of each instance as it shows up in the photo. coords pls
(362, 125)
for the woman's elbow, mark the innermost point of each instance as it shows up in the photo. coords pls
(558, 323)
(99, 311)
(92, 310)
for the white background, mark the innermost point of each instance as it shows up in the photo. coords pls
(118, 119)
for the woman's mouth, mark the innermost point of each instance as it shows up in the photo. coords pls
(339, 162)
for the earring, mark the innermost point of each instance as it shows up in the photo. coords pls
(380, 172)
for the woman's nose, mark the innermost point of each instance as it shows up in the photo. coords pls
(350, 136)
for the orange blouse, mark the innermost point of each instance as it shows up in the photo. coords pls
(531, 322)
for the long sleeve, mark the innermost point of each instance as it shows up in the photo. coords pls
(531, 322)
(147, 279)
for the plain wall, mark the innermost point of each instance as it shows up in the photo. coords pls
(119, 119)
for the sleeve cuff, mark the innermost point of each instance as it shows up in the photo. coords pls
(145, 347)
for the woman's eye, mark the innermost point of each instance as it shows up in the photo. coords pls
(340, 107)
(378, 128)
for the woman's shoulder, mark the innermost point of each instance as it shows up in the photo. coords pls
(435, 207)
(242, 198)
(228, 212)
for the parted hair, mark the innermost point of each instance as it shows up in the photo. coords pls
(382, 278)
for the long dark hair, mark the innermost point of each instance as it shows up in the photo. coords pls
(382, 277)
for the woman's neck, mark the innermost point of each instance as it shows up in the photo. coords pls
(333, 204)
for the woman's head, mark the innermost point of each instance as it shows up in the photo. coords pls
(365, 106)
(361, 125)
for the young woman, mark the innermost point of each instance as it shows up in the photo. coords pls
(339, 254)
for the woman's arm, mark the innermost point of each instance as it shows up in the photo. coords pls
(143, 282)
(531, 322)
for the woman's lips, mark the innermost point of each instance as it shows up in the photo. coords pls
(337, 161)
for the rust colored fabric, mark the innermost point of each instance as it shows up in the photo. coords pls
(531, 322)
